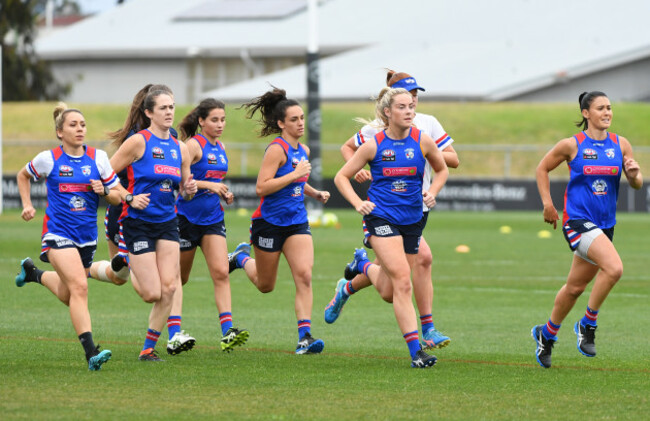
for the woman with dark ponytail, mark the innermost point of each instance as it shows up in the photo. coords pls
(280, 224)
(201, 220)
(596, 159)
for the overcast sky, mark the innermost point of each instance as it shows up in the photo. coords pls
(95, 6)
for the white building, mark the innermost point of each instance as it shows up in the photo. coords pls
(458, 49)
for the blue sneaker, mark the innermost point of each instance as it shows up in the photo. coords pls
(432, 338)
(309, 345)
(27, 268)
(351, 269)
(586, 339)
(232, 257)
(95, 362)
(335, 306)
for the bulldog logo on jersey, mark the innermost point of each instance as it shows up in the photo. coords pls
(223, 159)
(65, 171)
(388, 155)
(77, 204)
(589, 154)
(174, 154)
(166, 185)
(610, 153)
(599, 187)
(398, 186)
(410, 153)
(85, 170)
(212, 159)
(158, 153)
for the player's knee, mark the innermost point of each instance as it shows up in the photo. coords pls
(424, 260)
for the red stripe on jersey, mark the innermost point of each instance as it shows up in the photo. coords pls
(379, 137)
(613, 137)
(415, 134)
(57, 152)
(91, 152)
(146, 134)
(580, 137)
(201, 140)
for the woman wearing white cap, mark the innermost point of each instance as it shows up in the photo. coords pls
(422, 285)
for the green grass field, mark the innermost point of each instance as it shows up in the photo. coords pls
(28, 129)
(486, 301)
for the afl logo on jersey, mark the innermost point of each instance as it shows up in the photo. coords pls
(85, 170)
(610, 153)
(599, 187)
(174, 154)
(158, 153)
(388, 155)
(294, 162)
(410, 153)
(589, 154)
(212, 159)
(65, 171)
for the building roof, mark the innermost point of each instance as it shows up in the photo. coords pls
(471, 49)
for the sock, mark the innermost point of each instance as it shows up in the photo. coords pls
(550, 330)
(413, 342)
(86, 340)
(427, 322)
(363, 265)
(590, 317)
(242, 258)
(34, 275)
(304, 326)
(151, 339)
(226, 322)
(173, 325)
(347, 289)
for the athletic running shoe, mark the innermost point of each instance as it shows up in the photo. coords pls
(586, 337)
(149, 354)
(118, 262)
(309, 345)
(423, 360)
(95, 362)
(232, 257)
(351, 268)
(234, 337)
(544, 346)
(335, 306)
(27, 272)
(432, 338)
(180, 342)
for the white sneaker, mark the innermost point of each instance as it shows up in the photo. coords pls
(179, 343)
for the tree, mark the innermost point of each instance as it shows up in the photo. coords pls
(24, 76)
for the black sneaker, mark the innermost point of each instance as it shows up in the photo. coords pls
(309, 345)
(28, 272)
(118, 262)
(423, 360)
(586, 339)
(544, 346)
(232, 257)
(149, 354)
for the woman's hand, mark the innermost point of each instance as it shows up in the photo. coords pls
(365, 207)
(28, 213)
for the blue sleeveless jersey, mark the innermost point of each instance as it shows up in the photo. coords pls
(158, 172)
(205, 208)
(595, 176)
(287, 205)
(397, 172)
(71, 202)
